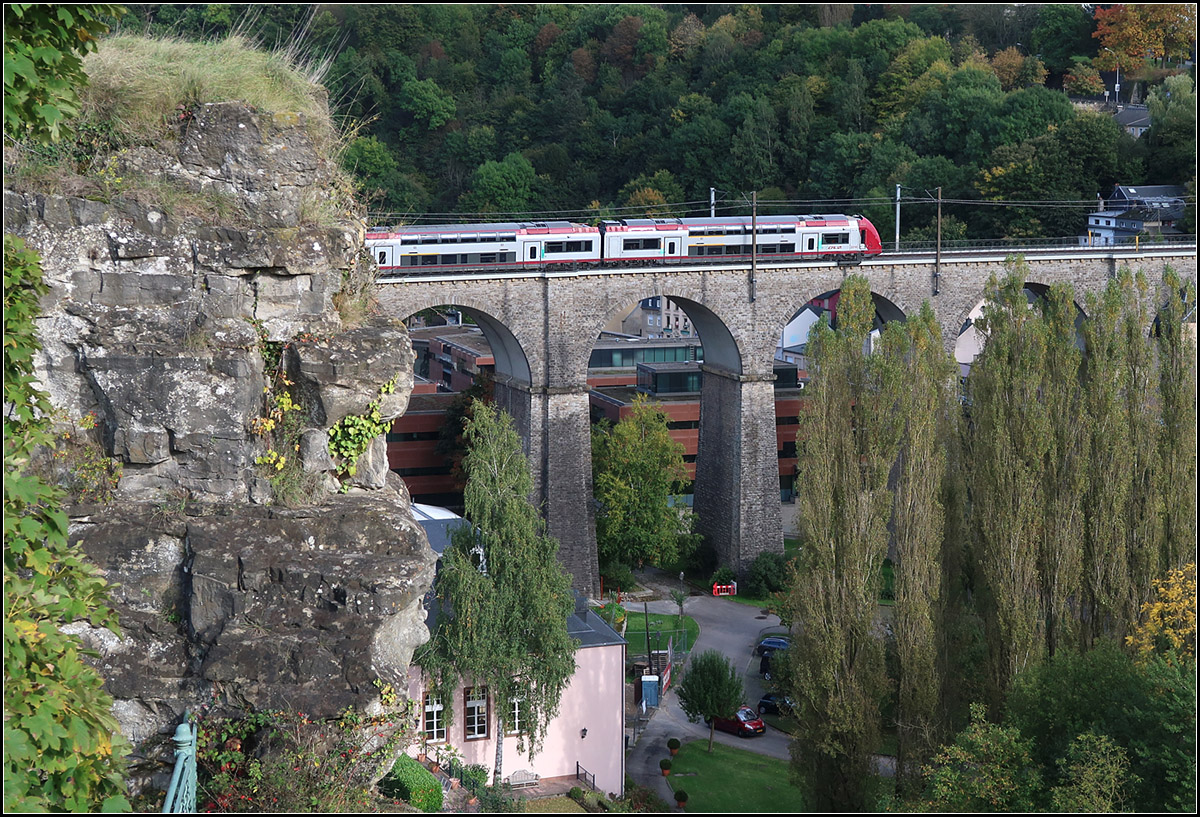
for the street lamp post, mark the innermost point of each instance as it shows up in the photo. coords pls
(1117, 85)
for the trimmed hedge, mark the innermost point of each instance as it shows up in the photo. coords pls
(414, 784)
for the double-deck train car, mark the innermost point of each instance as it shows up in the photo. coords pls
(454, 247)
(732, 238)
(624, 242)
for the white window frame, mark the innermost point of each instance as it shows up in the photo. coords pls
(433, 721)
(476, 723)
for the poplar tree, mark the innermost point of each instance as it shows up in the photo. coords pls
(919, 527)
(1143, 522)
(1060, 561)
(848, 434)
(1007, 440)
(1105, 573)
(504, 598)
(1177, 439)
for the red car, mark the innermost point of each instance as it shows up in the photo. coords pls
(745, 723)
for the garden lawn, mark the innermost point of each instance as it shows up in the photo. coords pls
(662, 627)
(732, 781)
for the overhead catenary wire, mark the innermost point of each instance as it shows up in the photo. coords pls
(726, 207)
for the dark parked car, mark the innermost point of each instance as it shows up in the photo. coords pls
(774, 704)
(771, 643)
(744, 723)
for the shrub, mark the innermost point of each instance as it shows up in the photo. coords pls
(475, 777)
(617, 576)
(673, 744)
(665, 764)
(414, 784)
(723, 575)
(269, 761)
(768, 574)
(681, 796)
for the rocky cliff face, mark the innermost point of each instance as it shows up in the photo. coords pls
(167, 329)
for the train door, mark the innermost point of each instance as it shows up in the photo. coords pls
(811, 244)
(531, 253)
(383, 255)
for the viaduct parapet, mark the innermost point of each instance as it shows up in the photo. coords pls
(542, 327)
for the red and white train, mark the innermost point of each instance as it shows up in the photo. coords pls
(625, 242)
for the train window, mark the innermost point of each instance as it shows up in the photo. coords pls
(812, 243)
(487, 258)
(410, 241)
(429, 260)
(671, 247)
(554, 246)
(769, 249)
(835, 238)
(449, 259)
(429, 239)
(533, 252)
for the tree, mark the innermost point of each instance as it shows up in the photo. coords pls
(1135, 30)
(1095, 772)
(504, 188)
(1172, 135)
(638, 475)
(1168, 625)
(918, 522)
(504, 598)
(1060, 560)
(848, 440)
(1007, 440)
(988, 768)
(1063, 32)
(711, 689)
(63, 750)
(44, 46)
(1148, 709)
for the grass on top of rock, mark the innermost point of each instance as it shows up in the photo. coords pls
(144, 91)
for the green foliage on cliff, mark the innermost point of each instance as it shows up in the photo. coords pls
(62, 747)
(44, 46)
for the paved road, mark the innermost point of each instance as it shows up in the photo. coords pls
(728, 627)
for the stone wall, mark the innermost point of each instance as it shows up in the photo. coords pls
(161, 326)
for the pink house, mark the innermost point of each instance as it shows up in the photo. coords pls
(586, 741)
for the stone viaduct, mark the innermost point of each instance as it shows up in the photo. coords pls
(542, 326)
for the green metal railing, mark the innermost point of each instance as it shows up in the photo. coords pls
(181, 794)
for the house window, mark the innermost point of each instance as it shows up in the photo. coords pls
(475, 709)
(434, 725)
(517, 713)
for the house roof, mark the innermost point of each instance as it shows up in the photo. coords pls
(1133, 117)
(582, 624)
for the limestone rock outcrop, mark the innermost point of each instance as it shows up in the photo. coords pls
(169, 329)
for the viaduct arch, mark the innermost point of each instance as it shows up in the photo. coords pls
(543, 325)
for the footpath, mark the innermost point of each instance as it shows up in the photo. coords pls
(727, 626)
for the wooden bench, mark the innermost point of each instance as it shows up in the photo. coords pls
(521, 779)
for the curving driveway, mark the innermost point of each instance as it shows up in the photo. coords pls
(728, 627)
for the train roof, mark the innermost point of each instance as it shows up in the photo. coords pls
(507, 227)
(834, 219)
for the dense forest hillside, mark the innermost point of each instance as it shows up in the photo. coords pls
(593, 109)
